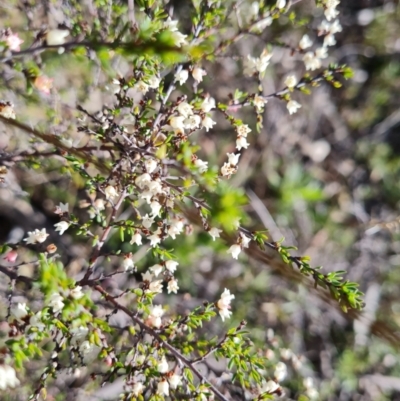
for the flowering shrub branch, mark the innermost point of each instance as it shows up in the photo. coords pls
(139, 174)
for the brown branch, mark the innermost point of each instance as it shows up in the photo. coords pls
(189, 364)
(15, 276)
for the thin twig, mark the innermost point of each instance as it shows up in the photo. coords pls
(162, 342)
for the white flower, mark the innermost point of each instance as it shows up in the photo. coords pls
(335, 27)
(185, 109)
(62, 208)
(162, 366)
(143, 180)
(171, 25)
(235, 250)
(245, 240)
(142, 87)
(156, 187)
(136, 239)
(35, 321)
(257, 64)
(305, 42)
(175, 381)
(225, 300)
(37, 236)
(19, 311)
(182, 76)
(147, 276)
(227, 169)
(290, 81)
(281, 4)
(270, 387)
(233, 159)
(61, 227)
(311, 61)
(177, 123)
(201, 165)
(175, 228)
(198, 74)
(329, 40)
(8, 377)
(154, 319)
(156, 269)
(259, 102)
(192, 122)
(155, 238)
(128, 263)
(78, 335)
(151, 165)
(147, 221)
(155, 208)
(293, 106)
(13, 42)
(330, 9)
(280, 371)
(110, 192)
(321, 52)
(207, 123)
(56, 302)
(243, 130)
(172, 286)
(7, 110)
(179, 39)
(56, 37)
(137, 389)
(153, 82)
(224, 304)
(241, 142)
(171, 265)
(208, 104)
(214, 232)
(163, 388)
(225, 314)
(156, 286)
(76, 292)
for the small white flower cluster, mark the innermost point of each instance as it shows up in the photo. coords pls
(187, 119)
(224, 304)
(258, 65)
(182, 75)
(36, 236)
(312, 59)
(154, 318)
(230, 167)
(8, 377)
(87, 350)
(172, 381)
(241, 141)
(243, 242)
(169, 268)
(178, 37)
(56, 302)
(152, 82)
